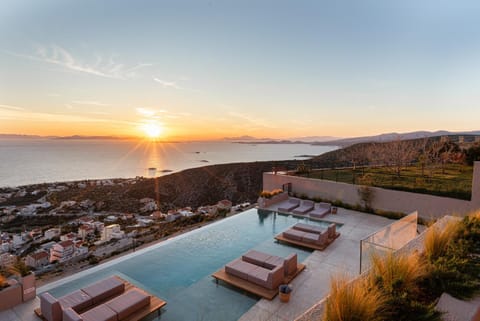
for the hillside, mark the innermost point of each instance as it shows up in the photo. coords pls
(238, 182)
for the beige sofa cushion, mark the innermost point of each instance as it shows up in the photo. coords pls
(100, 313)
(77, 300)
(104, 289)
(128, 303)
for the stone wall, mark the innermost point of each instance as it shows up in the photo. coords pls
(428, 206)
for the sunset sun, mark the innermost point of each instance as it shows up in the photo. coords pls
(152, 130)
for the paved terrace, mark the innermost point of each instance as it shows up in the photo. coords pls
(313, 284)
(309, 287)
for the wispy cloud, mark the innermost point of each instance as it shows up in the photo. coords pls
(99, 113)
(10, 107)
(145, 112)
(102, 67)
(89, 102)
(20, 115)
(251, 121)
(167, 84)
(160, 113)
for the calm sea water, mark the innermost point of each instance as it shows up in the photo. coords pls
(31, 161)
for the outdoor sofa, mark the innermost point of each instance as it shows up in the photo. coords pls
(117, 309)
(320, 210)
(289, 205)
(80, 300)
(309, 235)
(265, 270)
(305, 207)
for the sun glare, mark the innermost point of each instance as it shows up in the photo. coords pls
(152, 130)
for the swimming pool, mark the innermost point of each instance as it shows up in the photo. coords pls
(179, 270)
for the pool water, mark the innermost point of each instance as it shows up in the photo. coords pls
(179, 270)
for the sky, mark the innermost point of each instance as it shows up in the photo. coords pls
(212, 69)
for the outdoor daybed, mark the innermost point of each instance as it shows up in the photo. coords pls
(88, 303)
(309, 236)
(260, 273)
(289, 205)
(304, 208)
(320, 210)
(117, 309)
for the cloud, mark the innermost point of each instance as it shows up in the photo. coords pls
(251, 121)
(99, 113)
(146, 112)
(167, 84)
(25, 115)
(102, 67)
(10, 107)
(89, 102)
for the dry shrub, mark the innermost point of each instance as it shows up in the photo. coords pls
(353, 301)
(437, 240)
(396, 274)
(3, 281)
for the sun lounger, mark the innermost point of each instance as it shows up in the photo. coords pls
(289, 205)
(309, 236)
(304, 208)
(308, 228)
(320, 210)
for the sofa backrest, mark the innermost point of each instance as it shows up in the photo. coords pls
(50, 307)
(275, 277)
(308, 203)
(332, 230)
(290, 264)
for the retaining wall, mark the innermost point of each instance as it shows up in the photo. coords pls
(428, 206)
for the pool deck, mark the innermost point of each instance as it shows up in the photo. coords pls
(313, 284)
(309, 287)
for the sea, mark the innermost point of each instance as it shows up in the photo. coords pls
(33, 161)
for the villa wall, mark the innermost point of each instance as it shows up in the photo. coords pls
(428, 206)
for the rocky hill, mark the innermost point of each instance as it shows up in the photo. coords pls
(238, 182)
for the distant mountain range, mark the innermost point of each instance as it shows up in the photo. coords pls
(393, 136)
(18, 136)
(314, 140)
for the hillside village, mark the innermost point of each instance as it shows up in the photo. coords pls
(50, 235)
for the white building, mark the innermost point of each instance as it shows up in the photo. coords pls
(112, 232)
(5, 246)
(52, 233)
(85, 230)
(37, 260)
(7, 259)
(68, 237)
(62, 251)
(18, 241)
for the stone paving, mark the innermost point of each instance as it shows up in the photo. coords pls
(313, 284)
